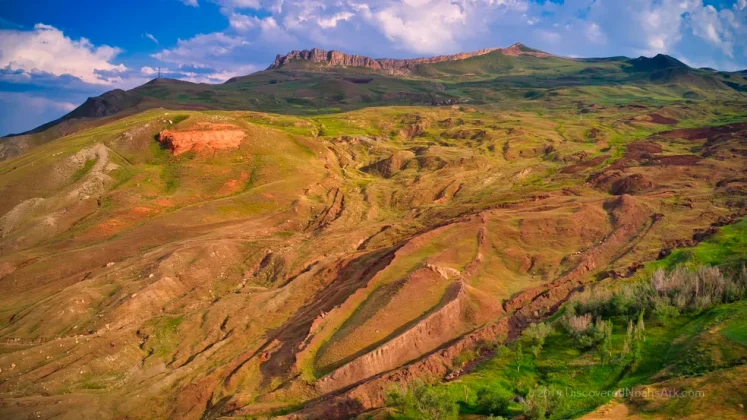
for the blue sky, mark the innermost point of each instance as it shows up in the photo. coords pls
(54, 54)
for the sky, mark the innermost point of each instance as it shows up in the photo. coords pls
(54, 54)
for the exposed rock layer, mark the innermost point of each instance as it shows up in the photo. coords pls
(338, 58)
(204, 137)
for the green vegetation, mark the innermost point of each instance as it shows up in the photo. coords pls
(177, 119)
(164, 336)
(659, 325)
(83, 170)
(269, 275)
(170, 177)
(424, 402)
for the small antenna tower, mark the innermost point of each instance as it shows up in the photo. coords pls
(159, 72)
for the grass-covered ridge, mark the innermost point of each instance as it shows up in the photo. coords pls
(684, 333)
(324, 255)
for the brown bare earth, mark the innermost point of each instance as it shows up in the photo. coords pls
(204, 137)
(302, 266)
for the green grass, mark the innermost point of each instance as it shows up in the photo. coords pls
(164, 338)
(585, 383)
(728, 247)
(683, 346)
(736, 332)
(83, 170)
(177, 119)
(170, 175)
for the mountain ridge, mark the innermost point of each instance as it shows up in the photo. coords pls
(392, 65)
(317, 81)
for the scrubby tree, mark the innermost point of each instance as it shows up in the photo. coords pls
(519, 357)
(640, 328)
(605, 347)
(542, 401)
(492, 402)
(426, 402)
(627, 345)
(639, 336)
(537, 333)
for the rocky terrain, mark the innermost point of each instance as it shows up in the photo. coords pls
(182, 263)
(388, 65)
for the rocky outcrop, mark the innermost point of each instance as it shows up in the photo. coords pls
(210, 137)
(531, 305)
(434, 330)
(393, 66)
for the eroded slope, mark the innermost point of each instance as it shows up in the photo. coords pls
(319, 260)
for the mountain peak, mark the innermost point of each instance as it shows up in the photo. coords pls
(396, 66)
(657, 62)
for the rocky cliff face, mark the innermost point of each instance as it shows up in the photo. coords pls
(395, 66)
(208, 137)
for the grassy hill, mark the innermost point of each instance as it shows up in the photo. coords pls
(214, 261)
(497, 79)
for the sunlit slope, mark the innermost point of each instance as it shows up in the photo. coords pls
(324, 253)
(502, 79)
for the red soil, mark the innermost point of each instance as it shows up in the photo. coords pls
(572, 169)
(642, 149)
(203, 137)
(703, 132)
(660, 119)
(632, 184)
(679, 160)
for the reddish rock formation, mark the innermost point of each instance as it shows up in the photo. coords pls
(630, 219)
(337, 58)
(437, 328)
(203, 137)
(632, 184)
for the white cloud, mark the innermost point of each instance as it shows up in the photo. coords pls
(430, 27)
(37, 101)
(238, 4)
(151, 37)
(220, 76)
(549, 37)
(720, 28)
(201, 49)
(20, 112)
(595, 35)
(206, 58)
(440, 26)
(241, 22)
(46, 49)
(331, 22)
(229, 4)
(148, 71)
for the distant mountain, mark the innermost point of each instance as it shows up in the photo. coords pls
(393, 66)
(317, 81)
(658, 62)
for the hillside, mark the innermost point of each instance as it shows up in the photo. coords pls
(318, 82)
(176, 253)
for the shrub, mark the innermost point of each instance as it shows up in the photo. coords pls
(578, 324)
(537, 334)
(426, 402)
(604, 329)
(519, 357)
(664, 311)
(542, 402)
(580, 329)
(492, 402)
(665, 295)
(464, 357)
